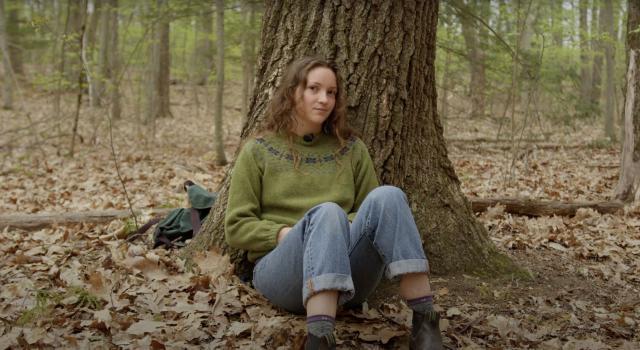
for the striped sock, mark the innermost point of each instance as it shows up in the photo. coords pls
(321, 325)
(421, 304)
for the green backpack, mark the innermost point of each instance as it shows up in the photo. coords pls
(184, 223)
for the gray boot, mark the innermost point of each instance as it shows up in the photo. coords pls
(320, 343)
(425, 334)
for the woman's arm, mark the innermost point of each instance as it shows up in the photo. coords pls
(244, 228)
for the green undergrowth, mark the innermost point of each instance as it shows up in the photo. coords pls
(47, 301)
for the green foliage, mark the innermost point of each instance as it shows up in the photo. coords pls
(129, 227)
(46, 300)
(85, 299)
(545, 76)
(40, 33)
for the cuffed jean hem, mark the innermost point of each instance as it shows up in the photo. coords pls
(403, 267)
(329, 281)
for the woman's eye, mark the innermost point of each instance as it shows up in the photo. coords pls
(332, 93)
(313, 88)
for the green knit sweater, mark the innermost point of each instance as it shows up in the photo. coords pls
(267, 193)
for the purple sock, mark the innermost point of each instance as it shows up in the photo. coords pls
(320, 325)
(421, 304)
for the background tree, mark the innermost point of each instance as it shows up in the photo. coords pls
(597, 30)
(248, 53)
(14, 34)
(218, 137)
(92, 33)
(111, 72)
(391, 102)
(474, 37)
(609, 55)
(585, 67)
(158, 99)
(628, 188)
(204, 45)
(7, 97)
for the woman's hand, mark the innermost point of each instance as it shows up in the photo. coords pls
(282, 233)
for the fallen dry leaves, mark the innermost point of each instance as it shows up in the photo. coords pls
(84, 287)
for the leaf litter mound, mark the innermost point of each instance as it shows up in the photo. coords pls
(81, 286)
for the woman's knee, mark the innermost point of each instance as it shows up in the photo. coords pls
(387, 193)
(330, 210)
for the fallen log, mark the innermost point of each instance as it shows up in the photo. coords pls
(40, 220)
(529, 207)
(512, 205)
(531, 146)
(491, 140)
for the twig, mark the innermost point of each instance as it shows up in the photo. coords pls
(124, 187)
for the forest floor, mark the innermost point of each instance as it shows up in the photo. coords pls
(81, 286)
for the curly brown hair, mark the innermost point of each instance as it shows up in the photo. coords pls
(280, 117)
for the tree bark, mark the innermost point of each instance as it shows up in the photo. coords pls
(218, 137)
(7, 96)
(390, 83)
(628, 188)
(609, 111)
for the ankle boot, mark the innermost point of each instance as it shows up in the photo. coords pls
(425, 334)
(313, 342)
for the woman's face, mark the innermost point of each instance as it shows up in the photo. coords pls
(316, 100)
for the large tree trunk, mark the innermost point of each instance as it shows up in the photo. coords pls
(7, 96)
(390, 81)
(628, 188)
(609, 110)
(218, 137)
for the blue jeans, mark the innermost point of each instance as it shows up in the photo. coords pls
(323, 251)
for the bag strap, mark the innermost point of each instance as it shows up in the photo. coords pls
(195, 220)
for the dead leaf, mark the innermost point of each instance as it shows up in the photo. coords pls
(144, 326)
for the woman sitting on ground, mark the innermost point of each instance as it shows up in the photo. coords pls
(304, 201)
